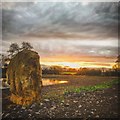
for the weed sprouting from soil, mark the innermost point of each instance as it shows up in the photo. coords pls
(92, 88)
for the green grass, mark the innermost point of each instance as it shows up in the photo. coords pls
(93, 88)
(68, 73)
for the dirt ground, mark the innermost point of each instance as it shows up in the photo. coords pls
(55, 104)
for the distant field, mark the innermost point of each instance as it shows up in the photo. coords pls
(81, 80)
(74, 82)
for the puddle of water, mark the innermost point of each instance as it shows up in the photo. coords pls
(46, 82)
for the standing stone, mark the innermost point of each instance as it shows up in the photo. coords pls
(25, 78)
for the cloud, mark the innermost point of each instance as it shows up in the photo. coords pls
(83, 32)
(65, 20)
(62, 47)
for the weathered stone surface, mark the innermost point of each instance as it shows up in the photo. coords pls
(24, 77)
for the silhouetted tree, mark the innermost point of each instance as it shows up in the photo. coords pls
(87, 71)
(26, 45)
(13, 49)
(52, 70)
(116, 67)
(117, 63)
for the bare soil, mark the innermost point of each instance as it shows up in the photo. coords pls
(55, 104)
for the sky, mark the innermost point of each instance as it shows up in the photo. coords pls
(75, 34)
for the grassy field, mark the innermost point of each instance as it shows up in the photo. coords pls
(94, 87)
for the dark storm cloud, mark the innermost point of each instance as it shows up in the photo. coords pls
(53, 28)
(61, 20)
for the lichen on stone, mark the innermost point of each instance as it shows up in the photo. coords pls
(24, 76)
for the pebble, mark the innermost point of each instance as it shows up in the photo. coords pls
(80, 106)
(21, 111)
(41, 104)
(80, 114)
(44, 107)
(83, 94)
(65, 114)
(29, 110)
(97, 102)
(52, 108)
(97, 116)
(37, 113)
(89, 116)
(14, 109)
(23, 108)
(92, 112)
(47, 100)
(110, 98)
(32, 106)
(90, 101)
(29, 115)
(61, 103)
(66, 105)
(75, 101)
(76, 111)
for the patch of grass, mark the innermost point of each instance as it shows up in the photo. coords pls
(93, 88)
(115, 82)
(68, 73)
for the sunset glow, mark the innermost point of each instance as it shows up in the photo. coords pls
(74, 34)
(79, 64)
(76, 62)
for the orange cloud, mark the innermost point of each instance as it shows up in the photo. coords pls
(75, 62)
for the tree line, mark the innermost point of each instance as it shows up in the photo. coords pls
(81, 71)
(114, 71)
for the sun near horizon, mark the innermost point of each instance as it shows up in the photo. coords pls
(72, 63)
(77, 64)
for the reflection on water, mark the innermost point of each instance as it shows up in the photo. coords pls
(47, 81)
